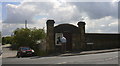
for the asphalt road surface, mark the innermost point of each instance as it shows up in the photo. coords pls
(101, 58)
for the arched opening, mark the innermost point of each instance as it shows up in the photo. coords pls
(68, 37)
(67, 30)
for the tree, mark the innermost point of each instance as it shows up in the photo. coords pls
(7, 40)
(28, 37)
(21, 37)
(0, 38)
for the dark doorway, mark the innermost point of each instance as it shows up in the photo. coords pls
(68, 36)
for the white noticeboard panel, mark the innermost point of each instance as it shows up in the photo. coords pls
(57, 38)
(90, 43)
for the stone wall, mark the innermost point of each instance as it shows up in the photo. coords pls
(101, 41)
(76, 42)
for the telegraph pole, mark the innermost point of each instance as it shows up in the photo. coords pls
(25, 23)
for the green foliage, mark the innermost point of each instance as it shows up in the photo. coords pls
(22, 37)
(7, 40)
(28, 37)
(0, 38)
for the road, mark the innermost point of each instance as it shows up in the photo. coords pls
(101, 58)
(7, 52)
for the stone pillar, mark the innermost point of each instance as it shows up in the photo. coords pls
(81, 28)
(50, 36)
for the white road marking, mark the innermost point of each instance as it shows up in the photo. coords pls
(111, 58)
(62, 63)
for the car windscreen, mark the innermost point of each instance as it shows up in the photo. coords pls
(25, 48)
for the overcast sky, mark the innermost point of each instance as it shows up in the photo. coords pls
(100, 17)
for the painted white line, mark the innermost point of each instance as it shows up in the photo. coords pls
(111, 58)
(62, 63)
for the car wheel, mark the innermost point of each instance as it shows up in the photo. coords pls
(18, 55)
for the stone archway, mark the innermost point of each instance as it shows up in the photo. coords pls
(67, 30)
(75, 35)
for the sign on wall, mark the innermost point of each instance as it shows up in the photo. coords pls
(57, 38)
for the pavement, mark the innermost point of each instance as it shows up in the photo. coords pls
(90, 52)
(7, 45)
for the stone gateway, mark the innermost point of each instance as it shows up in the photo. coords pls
(77, 39)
